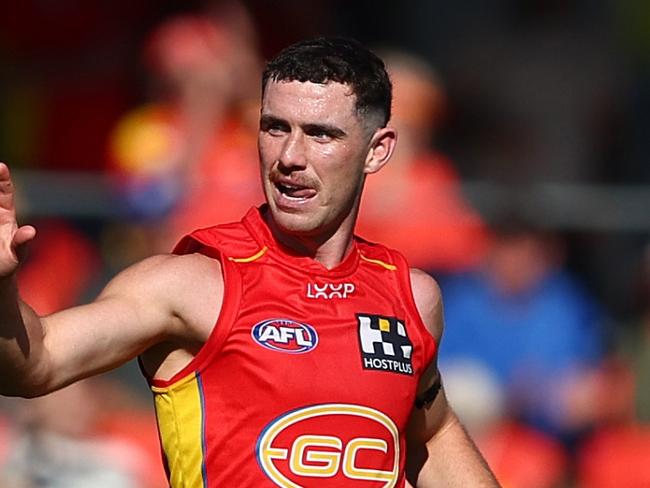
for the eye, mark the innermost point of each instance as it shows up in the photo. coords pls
(276, 130)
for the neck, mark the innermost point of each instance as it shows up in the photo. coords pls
(328, 248)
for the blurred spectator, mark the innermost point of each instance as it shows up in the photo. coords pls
(634, 342)
(57, 445)
(415, 204)
(525, 319)
(617, 453)
(189, 156)
(617, 457)
(61, 266)
(519, 456)
(522, 457)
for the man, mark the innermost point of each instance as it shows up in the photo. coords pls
(281, 350)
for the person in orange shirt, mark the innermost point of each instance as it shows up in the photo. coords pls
(419, 192)
(195, 142)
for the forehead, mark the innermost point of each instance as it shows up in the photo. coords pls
(308, 101)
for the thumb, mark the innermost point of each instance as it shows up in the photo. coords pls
(22, 236)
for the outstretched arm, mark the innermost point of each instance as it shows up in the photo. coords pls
(153, 301)
(440, 452)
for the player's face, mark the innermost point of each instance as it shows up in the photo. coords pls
(313, 154)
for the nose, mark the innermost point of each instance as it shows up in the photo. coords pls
(292, 156)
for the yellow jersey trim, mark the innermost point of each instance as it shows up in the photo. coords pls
(389, 267)
(180, 413)
(252, 258)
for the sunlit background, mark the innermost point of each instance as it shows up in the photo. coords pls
(521, 182)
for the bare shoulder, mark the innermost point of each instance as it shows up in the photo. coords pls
(176, 286)
(167, 270)
(428, 300)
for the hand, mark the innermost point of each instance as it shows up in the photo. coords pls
(12, 237)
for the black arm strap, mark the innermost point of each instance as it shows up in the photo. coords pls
(430, 395)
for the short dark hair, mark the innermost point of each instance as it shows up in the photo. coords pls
(340, 60)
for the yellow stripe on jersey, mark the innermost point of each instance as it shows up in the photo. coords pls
(390, 267)
(252, 258)
(180, 415)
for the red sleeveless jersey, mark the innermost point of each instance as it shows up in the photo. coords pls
(309, 375)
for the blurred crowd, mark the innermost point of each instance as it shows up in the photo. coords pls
(548, 370)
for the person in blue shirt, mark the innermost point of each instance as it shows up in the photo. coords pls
(532, 326)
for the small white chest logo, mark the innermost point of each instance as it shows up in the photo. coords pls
(285, 335)
(328, 291)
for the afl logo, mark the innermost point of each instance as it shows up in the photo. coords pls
(285, 335)
(330, 445)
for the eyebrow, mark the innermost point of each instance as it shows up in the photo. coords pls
(270, 119)
(328, 129)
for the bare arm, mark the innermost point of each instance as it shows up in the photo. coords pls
(148, 303)
(441, 453)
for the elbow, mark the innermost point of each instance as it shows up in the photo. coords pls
(25, 384)
(20, 393)
(22, 390)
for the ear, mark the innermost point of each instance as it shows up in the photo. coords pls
(381, 149)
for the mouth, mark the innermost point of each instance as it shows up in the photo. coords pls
(295, 193)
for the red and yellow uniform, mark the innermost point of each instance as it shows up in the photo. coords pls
(309, 375)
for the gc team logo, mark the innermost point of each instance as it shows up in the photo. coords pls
(330, 445)
(285, 335)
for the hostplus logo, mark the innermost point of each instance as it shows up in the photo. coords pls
(385, 345)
